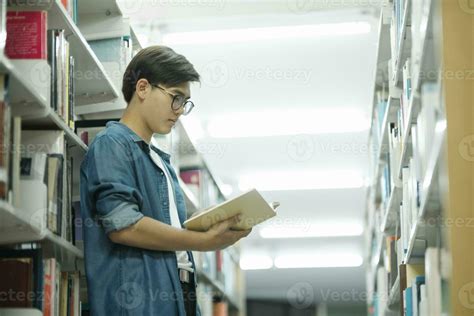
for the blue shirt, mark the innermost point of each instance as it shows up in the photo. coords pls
(120, 184)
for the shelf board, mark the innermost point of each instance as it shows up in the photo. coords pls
(400, 57)
(33, 106)
(382, 147)
(391, 212)
(192, 204)
(53, 120)
(109, 7)
(418, 60)
(394, 295)
(427, 187)
(135, 41)
(219, 289)
(377, 255)
(17, 228)
(93, 85)
(412, 115)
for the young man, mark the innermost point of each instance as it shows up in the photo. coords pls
(138, 258)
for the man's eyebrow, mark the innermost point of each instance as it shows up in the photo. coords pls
(180, 92)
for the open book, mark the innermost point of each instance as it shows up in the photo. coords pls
(250, 205)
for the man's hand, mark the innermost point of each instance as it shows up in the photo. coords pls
(220, 235)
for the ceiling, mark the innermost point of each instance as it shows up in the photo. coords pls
(333, 73)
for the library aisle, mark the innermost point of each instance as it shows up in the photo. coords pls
(356, 116)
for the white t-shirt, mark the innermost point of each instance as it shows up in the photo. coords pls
(182, 256)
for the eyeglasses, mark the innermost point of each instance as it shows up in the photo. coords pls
(178, 101)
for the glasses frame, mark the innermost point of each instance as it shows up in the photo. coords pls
(173, 98)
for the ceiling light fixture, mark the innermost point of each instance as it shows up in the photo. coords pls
(303, 180)
(318, 261)
(288, 122)
(266, 33)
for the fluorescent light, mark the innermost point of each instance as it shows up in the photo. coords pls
(266, 33)
(255, 262)
(291, 122)
(312, 230)
(303, 180)
(318, 261)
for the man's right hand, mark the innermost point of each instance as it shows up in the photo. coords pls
(220, 235)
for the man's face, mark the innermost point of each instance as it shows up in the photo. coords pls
(156, 108)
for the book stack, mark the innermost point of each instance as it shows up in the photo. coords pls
(399, 22)
(62, 75)
(201, 184)
(114, 54)
(35, 282)
(45, 56)
(46, 172)
(382, 102)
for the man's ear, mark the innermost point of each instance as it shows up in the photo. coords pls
(142, 88)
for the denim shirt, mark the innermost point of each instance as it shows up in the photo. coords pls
(120, 184)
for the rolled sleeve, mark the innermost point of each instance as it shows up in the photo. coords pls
(124, 215)
(111, 184)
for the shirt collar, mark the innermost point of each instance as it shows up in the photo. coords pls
(127, 130)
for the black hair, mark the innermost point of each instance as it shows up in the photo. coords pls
(159, 65)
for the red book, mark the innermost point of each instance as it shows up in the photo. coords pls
(26, 35)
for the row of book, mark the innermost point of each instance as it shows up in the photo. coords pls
(201, 184)
(398, 23)
(114, 54)
(221, 268)
(28, 280)
(37, 176)
(209, 305)
(46, 173)
(421, 288)
(45, 51)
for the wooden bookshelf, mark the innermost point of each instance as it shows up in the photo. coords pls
(444, 190)
(16, 228)
(458, 56)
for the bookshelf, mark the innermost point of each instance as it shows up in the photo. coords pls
(418, 260)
